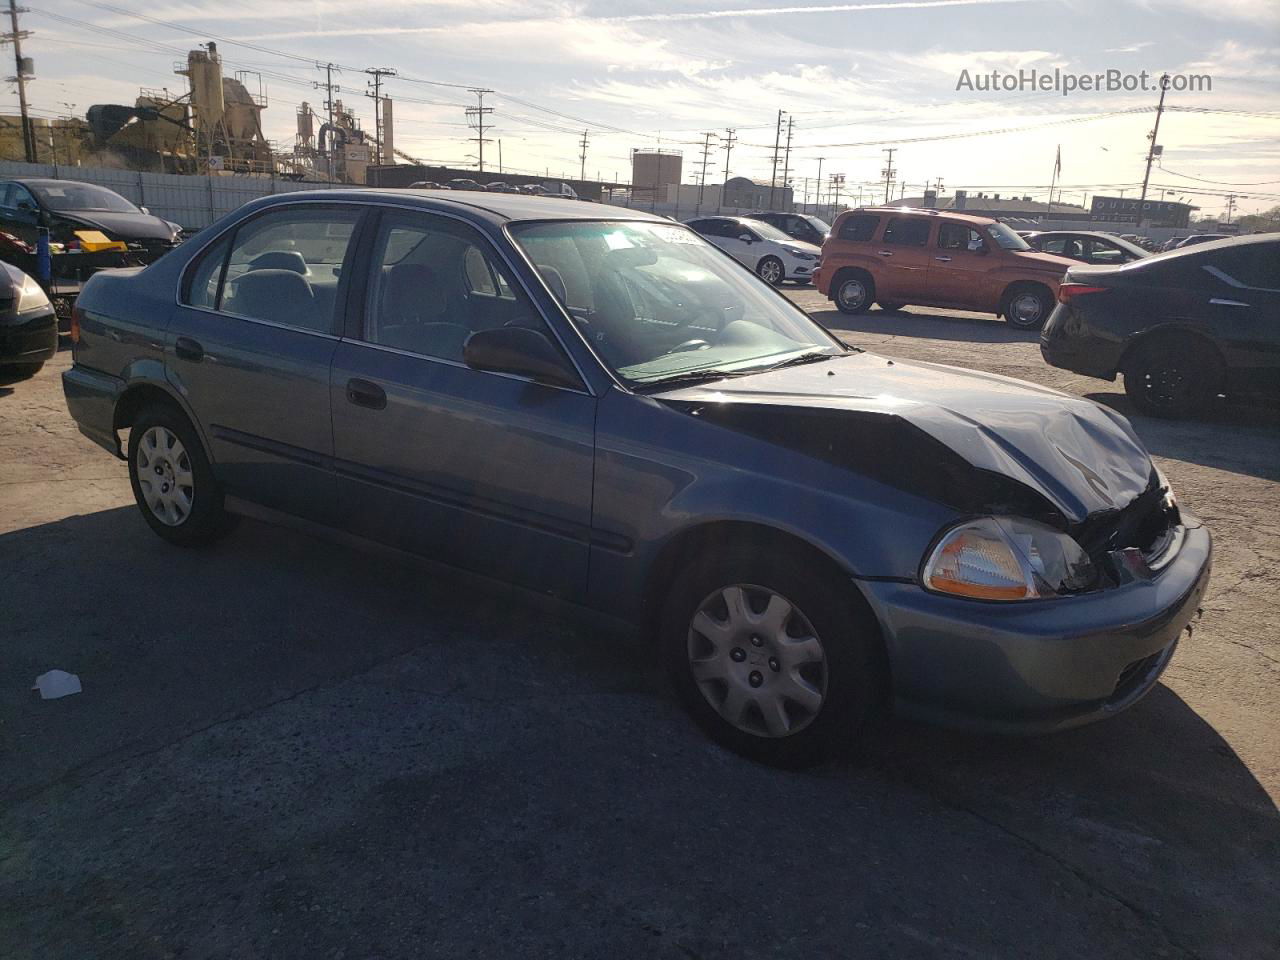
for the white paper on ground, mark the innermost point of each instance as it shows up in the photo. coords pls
(57, 683)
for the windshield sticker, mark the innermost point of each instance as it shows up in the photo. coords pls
(673, 235)
(618, 241)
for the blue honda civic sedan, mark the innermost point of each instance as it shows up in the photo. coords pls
(596, 404)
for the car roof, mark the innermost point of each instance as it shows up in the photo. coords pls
(497, 207)
(1077, 233)
(969, 218)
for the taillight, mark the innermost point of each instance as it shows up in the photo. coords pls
(75, 324)
(1068, 290)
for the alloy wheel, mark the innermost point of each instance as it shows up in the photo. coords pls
(771, 271)
(165, 476)
(757, 660)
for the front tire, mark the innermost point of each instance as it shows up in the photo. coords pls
(1170, 378)
(771, 271)
(773, 659)
(172, 480)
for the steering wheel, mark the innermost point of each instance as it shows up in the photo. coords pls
(690, 345)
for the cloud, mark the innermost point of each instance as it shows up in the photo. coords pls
(806, 9)
(1132, 48)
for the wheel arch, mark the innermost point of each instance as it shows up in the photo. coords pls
(1013, 286)
(139, 395)
(1171, 332)
(702, 538)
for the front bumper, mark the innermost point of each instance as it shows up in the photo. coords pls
(801, 269)
(29, 341)
(1041, 665)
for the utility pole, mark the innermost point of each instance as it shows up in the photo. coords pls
(20, 78)
(887, 172)
(582, 173)
(702, 181)
(730, 139)
(378, 73)
(818, 198)
(499, 154)
(1231, 206)
(1152, 149)
(476, 115)
(837, 182)
(329, 90)
(777, 147)
(786, 163)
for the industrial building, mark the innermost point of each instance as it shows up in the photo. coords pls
(652, 172)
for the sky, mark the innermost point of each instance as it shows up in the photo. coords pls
(853, 78)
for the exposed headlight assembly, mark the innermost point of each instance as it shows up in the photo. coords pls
(1007, 558)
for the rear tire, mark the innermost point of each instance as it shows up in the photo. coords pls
(805, 692)
(1171, 377)
(853, 292)
(173, 483)
(1028, 305)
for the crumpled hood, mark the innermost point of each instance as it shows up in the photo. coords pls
(119, 226)
(1080, 457)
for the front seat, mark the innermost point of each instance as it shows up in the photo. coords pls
(280, 260)
(280, 296)
(416, 314)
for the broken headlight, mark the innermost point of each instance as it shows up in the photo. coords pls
(1006, 558)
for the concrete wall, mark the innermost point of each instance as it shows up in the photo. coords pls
(194, 202)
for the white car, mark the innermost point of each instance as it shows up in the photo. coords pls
(764, 248)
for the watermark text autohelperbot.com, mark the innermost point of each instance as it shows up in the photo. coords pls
(1061, 81)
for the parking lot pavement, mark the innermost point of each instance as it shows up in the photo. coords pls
(286, 748)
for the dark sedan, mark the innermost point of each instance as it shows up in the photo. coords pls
(28, 325)
(65, 206)
(609, 410)
(798, 226)
(1181, 327)
(1087, 246)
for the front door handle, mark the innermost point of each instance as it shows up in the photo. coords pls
(943, 259)
(188, 349)
(363, 393)
(1218, 301)
(886, 253)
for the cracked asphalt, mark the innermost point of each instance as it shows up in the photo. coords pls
(287, 748)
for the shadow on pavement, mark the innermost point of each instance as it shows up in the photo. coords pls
(504, 779)
(1250, 444)
(975, 328)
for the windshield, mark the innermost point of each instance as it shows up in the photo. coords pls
(1006, 238)
(82, 196)
(658, 302)
(819, 224)
(767, 231)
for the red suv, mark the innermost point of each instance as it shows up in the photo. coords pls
(894, 256)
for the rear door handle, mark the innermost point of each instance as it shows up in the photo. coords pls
(886, 253)
(188, 349)
(363, 393)
(1228, 303)
(943, 259)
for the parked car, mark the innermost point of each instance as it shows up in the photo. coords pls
(426, 185)
(65, 206)
(28, 325)
(1181, 328)
(1196, 238)
(1171, 244)
(763, 248)
(462, 183)
(797, 226)
(1086, 246)
(499, 187)
(608, 411)
(893, 257)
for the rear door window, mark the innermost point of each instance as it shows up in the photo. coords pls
(1253, 265)
(907, 231)
(285, 266)
(959, 236)
(860, 227)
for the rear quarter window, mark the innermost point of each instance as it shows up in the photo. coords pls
(860, 227)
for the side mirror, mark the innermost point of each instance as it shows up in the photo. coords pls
(518, 350)
(145, 210)
(746, 237)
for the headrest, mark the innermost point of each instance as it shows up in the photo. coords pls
(280, 260)
(280, 296)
